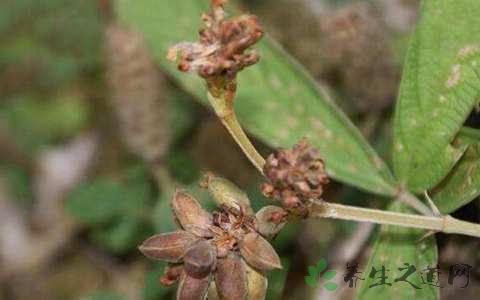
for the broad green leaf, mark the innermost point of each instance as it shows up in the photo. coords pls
(331, 286)
(312, 271)
(462, 184)
(329, 275)
(277, 101)
(311, 281)
(440, 87)
(393, 247)
(321, 265)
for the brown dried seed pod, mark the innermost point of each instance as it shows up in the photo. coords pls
(191, 288)
(139, 95)
(172, 273)
(199, 259)
(227, 193)
(191, 216)
(231, 278)
(258, 252)
(167, 246)
(270, 220)
(221, 49)
(257, 284)
(295, 176)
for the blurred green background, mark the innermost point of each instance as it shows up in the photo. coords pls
(95, 137)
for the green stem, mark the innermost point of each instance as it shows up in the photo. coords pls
(446, 224)
(229, 120)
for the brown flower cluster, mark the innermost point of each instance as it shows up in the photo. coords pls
(219, 254)
(221, 49)
(295, 177)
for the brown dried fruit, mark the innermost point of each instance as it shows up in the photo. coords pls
(172, 273)
(199, 260)
(191, 216)
(295, 177)
(226, 193)
(232, 242)
(270, 220)
(220, 51)
(231, 278)
(167, 246)
(258, 253)
(191, 288)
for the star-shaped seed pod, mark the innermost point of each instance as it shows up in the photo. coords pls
(295, 177)
(222, 250)
(222, 48)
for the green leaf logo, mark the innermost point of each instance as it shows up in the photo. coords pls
(313, 271)
(329, 275)
(321, 265)
(314, 276)
(311, 281)
(330, 286)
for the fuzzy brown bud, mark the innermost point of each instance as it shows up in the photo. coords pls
(138, 94)
(295, 176)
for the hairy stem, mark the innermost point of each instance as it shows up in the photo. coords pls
(446, 224)
(227, 115)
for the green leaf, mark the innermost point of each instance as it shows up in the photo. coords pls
(462, 184)
(440, 87)
(277, 101)
(311, 281)
(312, 271)
(393, 247)
(329, 275)
(331, 286)
(321, 265)
(95, 202)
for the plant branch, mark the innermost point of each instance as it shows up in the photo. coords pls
(227, 115)
(415, 203)
(446, 224)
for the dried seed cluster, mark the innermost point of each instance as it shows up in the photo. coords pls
(222, 251)
(137, 96)
(295, 177)
(221, 49)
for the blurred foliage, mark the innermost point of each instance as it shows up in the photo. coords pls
(37, 123)
(117, 211)
(48, 42)
(52, 89)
